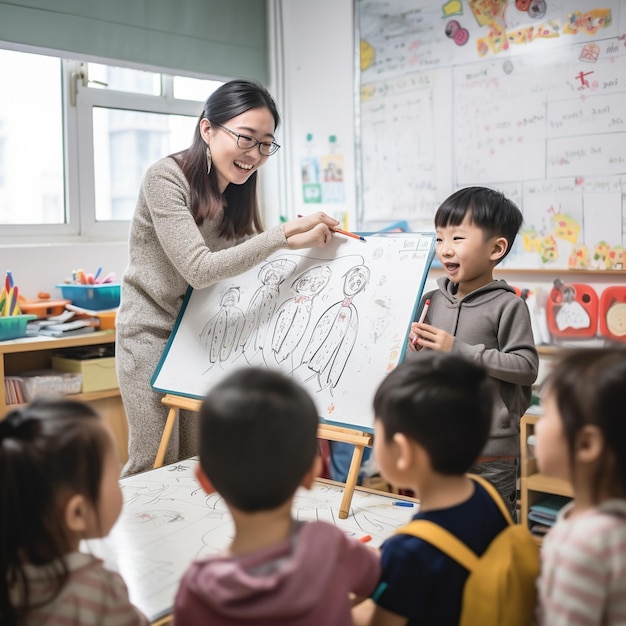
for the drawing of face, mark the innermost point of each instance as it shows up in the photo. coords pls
(275, 272)
(312, 281)
(356, 280)
(230, 298)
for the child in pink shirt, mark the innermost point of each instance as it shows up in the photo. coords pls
(258, 444)
(581, 438)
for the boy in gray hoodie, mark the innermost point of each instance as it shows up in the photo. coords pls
(258, 444)
(473, 315)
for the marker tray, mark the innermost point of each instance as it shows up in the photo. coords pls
(14, 326)
(93, 297)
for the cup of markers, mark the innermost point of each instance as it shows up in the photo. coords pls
(12, 321)
(8, 297)
(80, 277)
(92, 291)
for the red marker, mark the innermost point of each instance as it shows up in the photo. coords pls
(365, 538)
(422, 318)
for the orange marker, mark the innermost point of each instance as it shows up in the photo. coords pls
(365, 538)
(347, 233)
(341, 231)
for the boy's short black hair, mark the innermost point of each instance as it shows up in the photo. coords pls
(258, 438)
(488, 209)
(442, 401)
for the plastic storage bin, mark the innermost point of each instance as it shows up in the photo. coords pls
(93, 297)
(14, 326)
(97, 374)
(49, 382)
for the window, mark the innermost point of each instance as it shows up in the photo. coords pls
(76, 138)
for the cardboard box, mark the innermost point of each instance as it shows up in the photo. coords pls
(98, 374)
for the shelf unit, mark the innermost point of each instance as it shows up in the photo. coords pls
(32, 353)
(533, 484)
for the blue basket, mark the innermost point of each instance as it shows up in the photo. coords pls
(93, 297)
(14, 326)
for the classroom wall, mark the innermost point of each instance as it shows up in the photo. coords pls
(318, 59)
(320, 90)
(40, 267)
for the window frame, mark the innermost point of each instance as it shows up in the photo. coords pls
(79, 99)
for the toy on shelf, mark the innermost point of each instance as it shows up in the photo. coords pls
(572, 310)
(613, 313)
(43, 306)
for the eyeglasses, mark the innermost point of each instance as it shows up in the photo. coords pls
(244, 142)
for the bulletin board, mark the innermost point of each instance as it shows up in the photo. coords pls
(335, 319)
(526, 96)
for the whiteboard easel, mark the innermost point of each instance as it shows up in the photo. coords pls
(324, 431)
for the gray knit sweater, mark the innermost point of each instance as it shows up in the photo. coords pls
(169, 252)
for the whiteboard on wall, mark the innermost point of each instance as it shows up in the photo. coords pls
(531, 102)
(335, 319)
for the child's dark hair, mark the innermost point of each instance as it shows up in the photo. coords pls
(258, 438)
(49, 450)
(589, 387)
(488, 209)
(442, 401)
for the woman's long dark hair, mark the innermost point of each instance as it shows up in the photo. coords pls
(48, 451)
(242, 218)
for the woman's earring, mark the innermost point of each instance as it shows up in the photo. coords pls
(208, 160)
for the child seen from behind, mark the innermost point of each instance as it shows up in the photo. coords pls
(258, 444)
(59, 472)
(581, 438)
(432, 419)
(482, 319)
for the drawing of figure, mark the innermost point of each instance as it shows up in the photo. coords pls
(335, 333)
(262, 306)
(293, 316)
(221, 333)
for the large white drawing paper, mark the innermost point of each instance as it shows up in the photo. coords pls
(168, 521)
(336, 319)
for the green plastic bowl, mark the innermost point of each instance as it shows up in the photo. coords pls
(14, 326)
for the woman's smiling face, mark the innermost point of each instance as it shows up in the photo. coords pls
(231, 163)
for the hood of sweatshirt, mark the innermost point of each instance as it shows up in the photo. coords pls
(479, 296)
(281, 582)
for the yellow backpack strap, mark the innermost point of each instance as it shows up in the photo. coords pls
(441, 539)
(495, 496)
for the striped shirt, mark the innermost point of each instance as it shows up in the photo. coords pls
(92, 596)
(583, 571)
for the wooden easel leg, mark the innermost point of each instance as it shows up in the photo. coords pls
(353, 476)
(165, 437)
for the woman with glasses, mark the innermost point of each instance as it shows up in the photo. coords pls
(196, 222)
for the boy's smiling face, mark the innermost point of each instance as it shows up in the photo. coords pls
(467, 256)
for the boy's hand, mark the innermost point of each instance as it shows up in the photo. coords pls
(427, 336)
(413, 337)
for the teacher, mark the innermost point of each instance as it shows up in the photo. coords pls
(196, 222)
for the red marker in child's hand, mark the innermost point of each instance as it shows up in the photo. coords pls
(422, 318)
